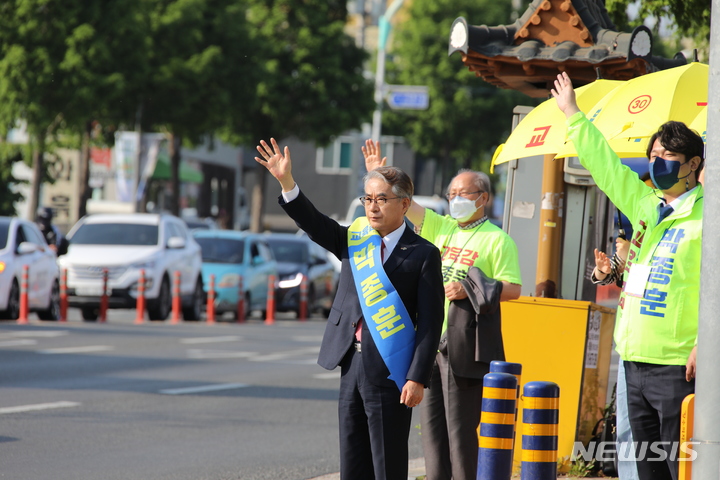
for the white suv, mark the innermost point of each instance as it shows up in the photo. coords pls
(125, 244)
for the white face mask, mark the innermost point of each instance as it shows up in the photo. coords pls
(461, 208)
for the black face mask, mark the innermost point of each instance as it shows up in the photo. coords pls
(664, 173)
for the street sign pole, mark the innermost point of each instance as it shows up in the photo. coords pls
(383, 33)
(706, 433)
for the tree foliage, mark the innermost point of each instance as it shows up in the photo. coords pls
(61, 65)
(9, 155)
(312, 83)
(467, 118)
(251, 68)
(691, 17)
(201, 68)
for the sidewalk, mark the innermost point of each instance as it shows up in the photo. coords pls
(416, 471)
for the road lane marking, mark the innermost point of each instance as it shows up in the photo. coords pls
(283, 355)
(198, 353)
(87, 349)
(17, 343)
(203, 388)
(38, 406)
(327, 376)
(227, 338)
(308, 338)
(39, 333)
(307, 361)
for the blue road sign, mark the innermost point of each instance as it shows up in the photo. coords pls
(413, 98)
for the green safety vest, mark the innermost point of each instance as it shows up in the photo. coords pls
(659, 326)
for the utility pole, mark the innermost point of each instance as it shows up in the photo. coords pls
(383, 34)
(706, 432)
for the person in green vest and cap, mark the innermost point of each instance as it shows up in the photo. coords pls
(657, 317)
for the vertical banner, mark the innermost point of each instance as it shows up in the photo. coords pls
(125, 153)
(130, 188)
(151, 144)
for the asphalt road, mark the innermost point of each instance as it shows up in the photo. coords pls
(156, 401)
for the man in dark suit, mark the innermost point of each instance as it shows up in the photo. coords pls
(374, 411)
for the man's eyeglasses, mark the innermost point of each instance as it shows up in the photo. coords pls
(450, 196)
(379, 200)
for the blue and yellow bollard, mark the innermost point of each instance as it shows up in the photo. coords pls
(541, 402)
(497, 426)
(498, 366)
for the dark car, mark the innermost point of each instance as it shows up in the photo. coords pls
(299, 257)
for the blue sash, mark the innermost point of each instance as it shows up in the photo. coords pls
(387, 318)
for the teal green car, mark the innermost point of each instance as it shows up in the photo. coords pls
(230, 255)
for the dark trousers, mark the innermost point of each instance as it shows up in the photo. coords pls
(654, 396)
(374, 426)
(449, 417)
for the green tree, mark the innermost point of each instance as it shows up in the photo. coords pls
(9, 155)
(62, 66)
(467, 117)
(691, 17)
(312, 83)
(202, 69)
(32, 46)
(103, 63)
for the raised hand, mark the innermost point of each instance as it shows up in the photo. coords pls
(278, 164)
(602, 263)
(565, 95)
(371, 152)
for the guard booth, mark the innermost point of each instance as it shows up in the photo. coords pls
(566, 339)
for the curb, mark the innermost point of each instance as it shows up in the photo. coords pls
(416, 468)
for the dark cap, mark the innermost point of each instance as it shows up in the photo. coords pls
(45, 213)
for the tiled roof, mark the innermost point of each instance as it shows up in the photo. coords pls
(576, 36)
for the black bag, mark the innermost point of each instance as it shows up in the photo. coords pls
(603, 433)
(63, 246)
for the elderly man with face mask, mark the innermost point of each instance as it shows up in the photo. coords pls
(480, 269)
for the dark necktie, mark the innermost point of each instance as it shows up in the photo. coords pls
(664, 211)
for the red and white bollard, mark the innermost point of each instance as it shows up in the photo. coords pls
(210, 310)
(63, 296)
(24, 305)
(328, 285)
(241, 301)
(176, 304)
(104, 298)
(140, 304)
(270, 306)
(303, 307)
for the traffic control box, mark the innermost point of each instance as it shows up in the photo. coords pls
(568, 342)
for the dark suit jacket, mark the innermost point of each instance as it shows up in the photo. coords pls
(474, 334)
(414, 270)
